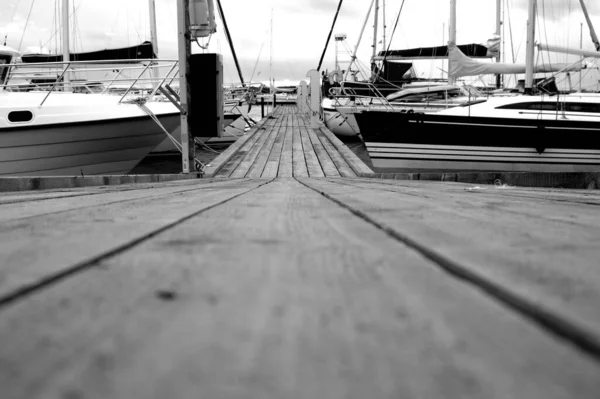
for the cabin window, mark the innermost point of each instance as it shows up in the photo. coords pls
(583, 107)
(555, 106)
(20, 116)
(4, 59)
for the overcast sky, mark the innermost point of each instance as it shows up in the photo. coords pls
(300, 28)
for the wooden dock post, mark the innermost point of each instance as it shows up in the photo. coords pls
(303, 97)
(315, 97)
(188, 153)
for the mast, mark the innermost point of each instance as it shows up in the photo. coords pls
(154, 40)
(271, 82)
(153, 30)
(444, 42)
(589, 22)
(375, 23)
(65, 42)
(362, 31)
(498, 31)
(384, 27)
(336, 64)
(530, 47)
(580, 48)
(452, 36)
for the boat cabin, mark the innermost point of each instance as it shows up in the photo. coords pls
(7, 55)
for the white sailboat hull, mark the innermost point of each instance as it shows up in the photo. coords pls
(78, 135)
(342, 125)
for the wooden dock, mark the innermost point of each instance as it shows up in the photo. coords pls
(284, 145)
(278, 279)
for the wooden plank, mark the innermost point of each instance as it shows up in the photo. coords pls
(310, 302)
(549, 204)
(312, 161)
(225, 157)
(589, 197)
(272, 166)
(31, 196)
(340, 163)
(298, 160)
(286, 168)
(250, 156)
(548, 261)
(329, 168)
(358, 166)
(259, 164)
(29, 183)
(238, 157)
(21, 208)
(39, 249)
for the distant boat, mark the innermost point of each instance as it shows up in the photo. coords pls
(394, 74)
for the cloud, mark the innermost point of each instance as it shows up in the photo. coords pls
(36, 50)
(300, 27)
(327, 7)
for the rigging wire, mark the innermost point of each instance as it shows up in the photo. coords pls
(76, 30)
(329, 36)
(26, 23)
(58, 32)
(15, 11)
(256, 63)
(391, 38)
(228, 36)
(12, 18)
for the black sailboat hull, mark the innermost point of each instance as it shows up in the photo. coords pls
(408, 140)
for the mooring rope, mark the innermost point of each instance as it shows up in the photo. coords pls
(142, 104)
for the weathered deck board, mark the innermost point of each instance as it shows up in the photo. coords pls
(258, 166)
(310, 302)
(554, 194)
(328, 166)
(549, 203)
(41, 248)
(300, 168)
(272, 164)
(232, 156)
(288, 146)
(312, 161)
(358, 166)
(549, 261)
(242, 161)
(337, 158)
(35, 203)
(286, 167)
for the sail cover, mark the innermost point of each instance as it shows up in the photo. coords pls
(472, 50)
(133, 53)
(462, 65)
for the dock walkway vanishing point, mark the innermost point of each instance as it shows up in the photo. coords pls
(299, 283)
(285, 145)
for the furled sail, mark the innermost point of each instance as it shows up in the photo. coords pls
(139, 52)
(462, 65)
(488, 50)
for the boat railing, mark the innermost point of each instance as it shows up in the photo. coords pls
(360, 94)
(140, 78)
